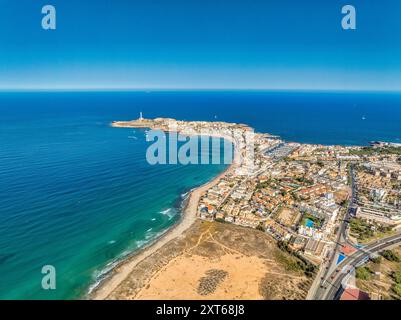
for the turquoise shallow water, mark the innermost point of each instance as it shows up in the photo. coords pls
(78, 194)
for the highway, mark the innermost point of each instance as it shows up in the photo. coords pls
(318, 287)
(343, 270)
(328, 283)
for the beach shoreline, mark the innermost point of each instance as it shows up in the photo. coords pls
(188, 216)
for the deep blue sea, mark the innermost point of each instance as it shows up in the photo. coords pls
(78, 194)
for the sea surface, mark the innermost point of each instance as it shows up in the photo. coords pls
(79, 195)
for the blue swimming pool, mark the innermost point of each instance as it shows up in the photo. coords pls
(309, 223)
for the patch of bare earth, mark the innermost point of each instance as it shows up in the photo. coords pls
(216, 261)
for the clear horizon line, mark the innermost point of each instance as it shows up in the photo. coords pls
(74, 89)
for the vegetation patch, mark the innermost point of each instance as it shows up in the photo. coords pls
(209, 283)
(381, 277)
(390, 256)
(363, 273)
(397, 289)
(369, 151)
(299, 263)
(396, 275)
(364, 231)
(376, 260)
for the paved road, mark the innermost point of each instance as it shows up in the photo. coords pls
(330, 278)
(328, 267)
(358, 258)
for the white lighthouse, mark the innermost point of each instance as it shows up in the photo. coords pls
(140, 116)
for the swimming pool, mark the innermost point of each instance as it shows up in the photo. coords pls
(309, 223)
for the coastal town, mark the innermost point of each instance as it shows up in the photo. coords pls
(303, 195)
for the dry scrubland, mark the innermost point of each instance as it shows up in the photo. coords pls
(379, 279)
(216, 261)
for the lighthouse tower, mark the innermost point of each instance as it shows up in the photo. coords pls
(140, 116)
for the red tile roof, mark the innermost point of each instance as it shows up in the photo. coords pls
(354, 294)
(347, 250)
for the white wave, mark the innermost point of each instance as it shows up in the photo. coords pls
(169, 212)
(165, 212)
(100, 275)
(140, 243)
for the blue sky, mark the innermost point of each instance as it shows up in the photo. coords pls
(216, 44)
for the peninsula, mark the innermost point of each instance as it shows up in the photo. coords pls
(297, 202)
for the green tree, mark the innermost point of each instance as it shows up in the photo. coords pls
(260, 228)
(397, 289)
(376, 260)
(363, 273)
(390, 256)
(397, 276)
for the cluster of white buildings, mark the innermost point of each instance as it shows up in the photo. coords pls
(379, 193)
(326, 210)
(384, 169)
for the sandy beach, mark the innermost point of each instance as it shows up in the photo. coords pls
(189, 216)
(213, 260)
